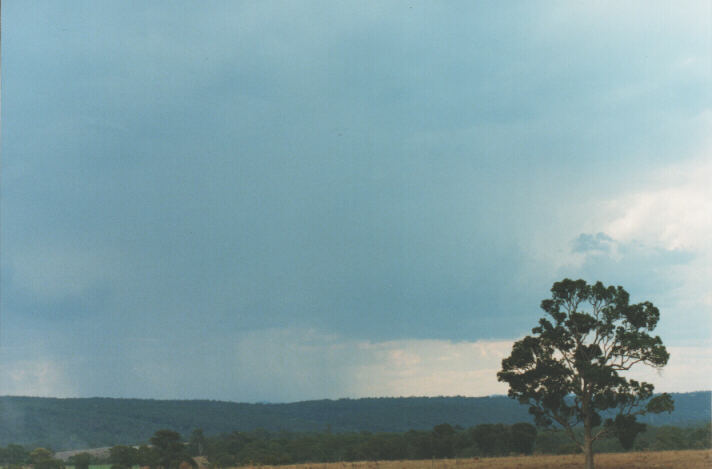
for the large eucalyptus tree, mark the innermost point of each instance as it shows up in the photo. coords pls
(571, 369)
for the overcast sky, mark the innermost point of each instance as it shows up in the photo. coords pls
(278, 201)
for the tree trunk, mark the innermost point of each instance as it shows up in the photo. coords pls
(588, 443)
(588, 452)
(587, 428)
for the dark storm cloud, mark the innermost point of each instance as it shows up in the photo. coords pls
(362, 170)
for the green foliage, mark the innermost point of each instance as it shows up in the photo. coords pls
(626, 428)
(523, 437)
(147, 456)
(14, 455)
(570, 370)
(663, 438)
(123, 456)
(443, 441)
(170, 449)
(81, 460)
(492, 439)
(42, 458)
(196, 445)
(661, 403)
(39, 455)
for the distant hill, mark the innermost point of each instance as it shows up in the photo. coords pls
(95, 422)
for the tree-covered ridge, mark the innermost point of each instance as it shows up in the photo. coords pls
(96, 422)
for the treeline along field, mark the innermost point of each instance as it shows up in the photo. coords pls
(443, 441)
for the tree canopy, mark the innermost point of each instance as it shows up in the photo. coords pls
(42, 458)
(170, 450)
(571, 369)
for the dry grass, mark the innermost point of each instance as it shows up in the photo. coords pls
(646, 460)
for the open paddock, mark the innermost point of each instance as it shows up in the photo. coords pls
(691, 459)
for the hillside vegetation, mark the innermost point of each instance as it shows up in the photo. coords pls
(96, 422)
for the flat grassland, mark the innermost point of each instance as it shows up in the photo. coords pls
(692, 459)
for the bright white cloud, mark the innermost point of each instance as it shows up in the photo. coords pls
(431, 368)
(675, 215)
(689, 369)
(654, 238)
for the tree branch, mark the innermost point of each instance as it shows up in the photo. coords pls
(602, 432)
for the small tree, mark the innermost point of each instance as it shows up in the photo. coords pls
(81, 460)
(15, 455)
(122, 456)
(147, 456)
(523, 437)
(42, 458)
(569, 370)
(170, 450)
(443, 436)
(196, 444)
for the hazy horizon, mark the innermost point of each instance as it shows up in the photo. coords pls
(286, 201)
(332, 399)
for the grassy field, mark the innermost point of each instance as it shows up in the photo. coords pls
(646, 460)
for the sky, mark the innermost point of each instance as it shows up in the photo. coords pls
(282, 201)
